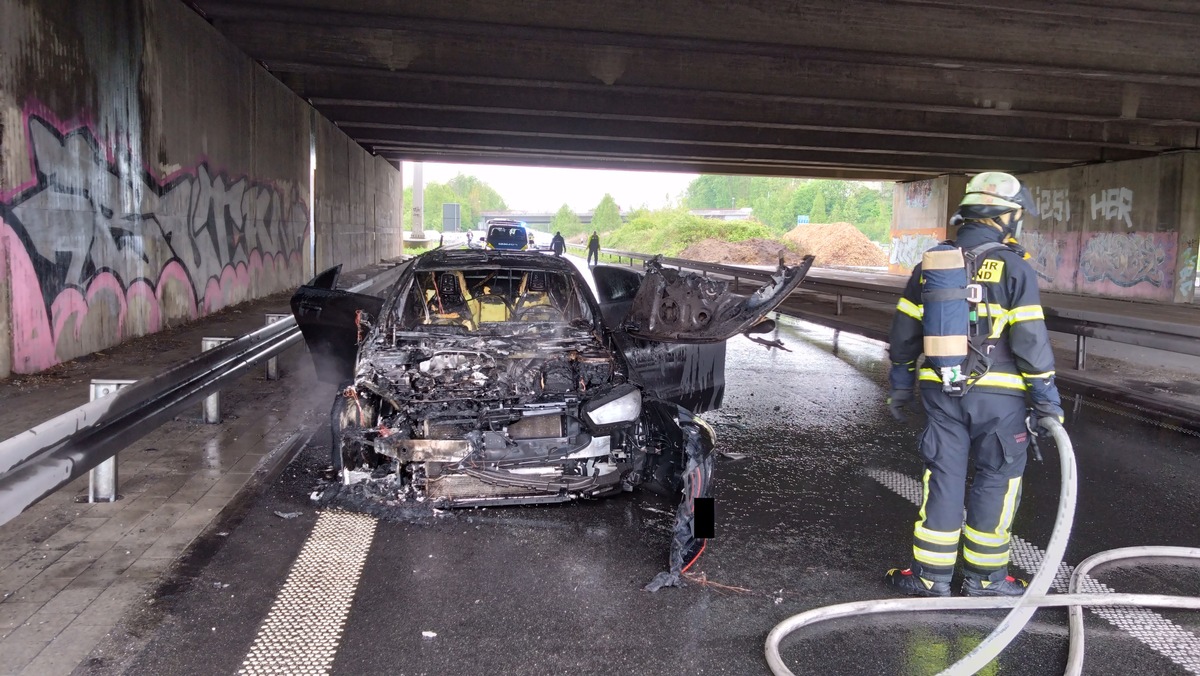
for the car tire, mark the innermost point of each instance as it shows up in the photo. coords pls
(349, 412)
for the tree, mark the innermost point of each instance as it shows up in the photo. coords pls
(818, 213)
(566, 221)
(777, 201)
(838, 215)
(471, 194)
(607, 216)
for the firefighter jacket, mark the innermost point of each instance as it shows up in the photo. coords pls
(1011, 325)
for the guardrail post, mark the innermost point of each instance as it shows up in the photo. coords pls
(212, 403)
(735, 284)
(273, 362)
(1080, 351)
(839, 305)
(102, 481)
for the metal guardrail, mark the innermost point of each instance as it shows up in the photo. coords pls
(1177, 338)
(39, 461)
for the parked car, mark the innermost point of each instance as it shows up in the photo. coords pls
(508, 235)
(498, 378)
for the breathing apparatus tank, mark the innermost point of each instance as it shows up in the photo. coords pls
(947, 299)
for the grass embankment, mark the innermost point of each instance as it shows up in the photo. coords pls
(671, 231)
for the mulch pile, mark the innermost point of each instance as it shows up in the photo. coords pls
(837, 244)
(833, 244)
(749, 252)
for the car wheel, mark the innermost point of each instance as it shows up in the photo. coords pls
(352, 412)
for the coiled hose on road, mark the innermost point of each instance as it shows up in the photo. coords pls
(1022, 607)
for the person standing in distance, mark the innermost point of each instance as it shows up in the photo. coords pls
(978, 411)
(593, 249)
(558, 244)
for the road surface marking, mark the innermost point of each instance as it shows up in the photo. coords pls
(1162, 635)
(302, 632)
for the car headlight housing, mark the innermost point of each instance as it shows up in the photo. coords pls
(613, 409)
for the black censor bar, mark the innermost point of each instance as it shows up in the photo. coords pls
(704, 518)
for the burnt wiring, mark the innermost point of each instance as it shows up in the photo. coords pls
(359, 323)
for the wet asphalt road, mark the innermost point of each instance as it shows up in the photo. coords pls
(801, 523)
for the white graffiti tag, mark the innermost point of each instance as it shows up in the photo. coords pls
(1053, 205)
(1113, 204)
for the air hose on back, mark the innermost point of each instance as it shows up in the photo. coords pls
(1022, 607)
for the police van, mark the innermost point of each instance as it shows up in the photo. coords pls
(508, 235)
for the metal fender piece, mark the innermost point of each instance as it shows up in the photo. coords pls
(695, 482)
(679, 307)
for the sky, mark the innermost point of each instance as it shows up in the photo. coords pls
(545, 189)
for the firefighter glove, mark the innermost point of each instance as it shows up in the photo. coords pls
(897, 401)
(1044, 409)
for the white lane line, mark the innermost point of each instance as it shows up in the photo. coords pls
(302, 632)
(1162, 635)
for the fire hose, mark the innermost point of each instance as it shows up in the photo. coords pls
(1022, 607)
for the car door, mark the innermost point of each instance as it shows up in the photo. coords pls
(689, 374)
(332, 323)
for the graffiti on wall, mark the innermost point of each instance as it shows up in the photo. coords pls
(1111, 262)
(907, 249)
(917, 193)
(1045, 254)
(1054, 256)
(1185, 282)
(1053, 204)
(100, 252)
(1114, 204)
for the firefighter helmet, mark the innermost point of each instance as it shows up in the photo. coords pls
(998, 200)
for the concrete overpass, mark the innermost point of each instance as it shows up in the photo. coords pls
(830, 88)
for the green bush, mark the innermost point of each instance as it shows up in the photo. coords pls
(670, 231)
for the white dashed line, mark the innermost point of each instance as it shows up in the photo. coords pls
(1162, 635)
(302, 632)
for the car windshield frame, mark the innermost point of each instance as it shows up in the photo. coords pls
(417, 300)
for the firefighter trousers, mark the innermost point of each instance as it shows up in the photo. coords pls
(989, 428)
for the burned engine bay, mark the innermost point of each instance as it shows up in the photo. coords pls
(474, 420)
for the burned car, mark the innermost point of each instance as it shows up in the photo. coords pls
(500, 378)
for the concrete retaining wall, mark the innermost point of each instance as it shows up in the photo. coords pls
(1119, 230)
(151, 173)
(921, 211)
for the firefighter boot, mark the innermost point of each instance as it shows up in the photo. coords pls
(997, 584)
(909, 583)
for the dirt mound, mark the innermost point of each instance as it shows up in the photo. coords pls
(749, 252)
(837, 244)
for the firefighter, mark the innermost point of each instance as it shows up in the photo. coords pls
(593, 248)
(558, 244)
(983, 415)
